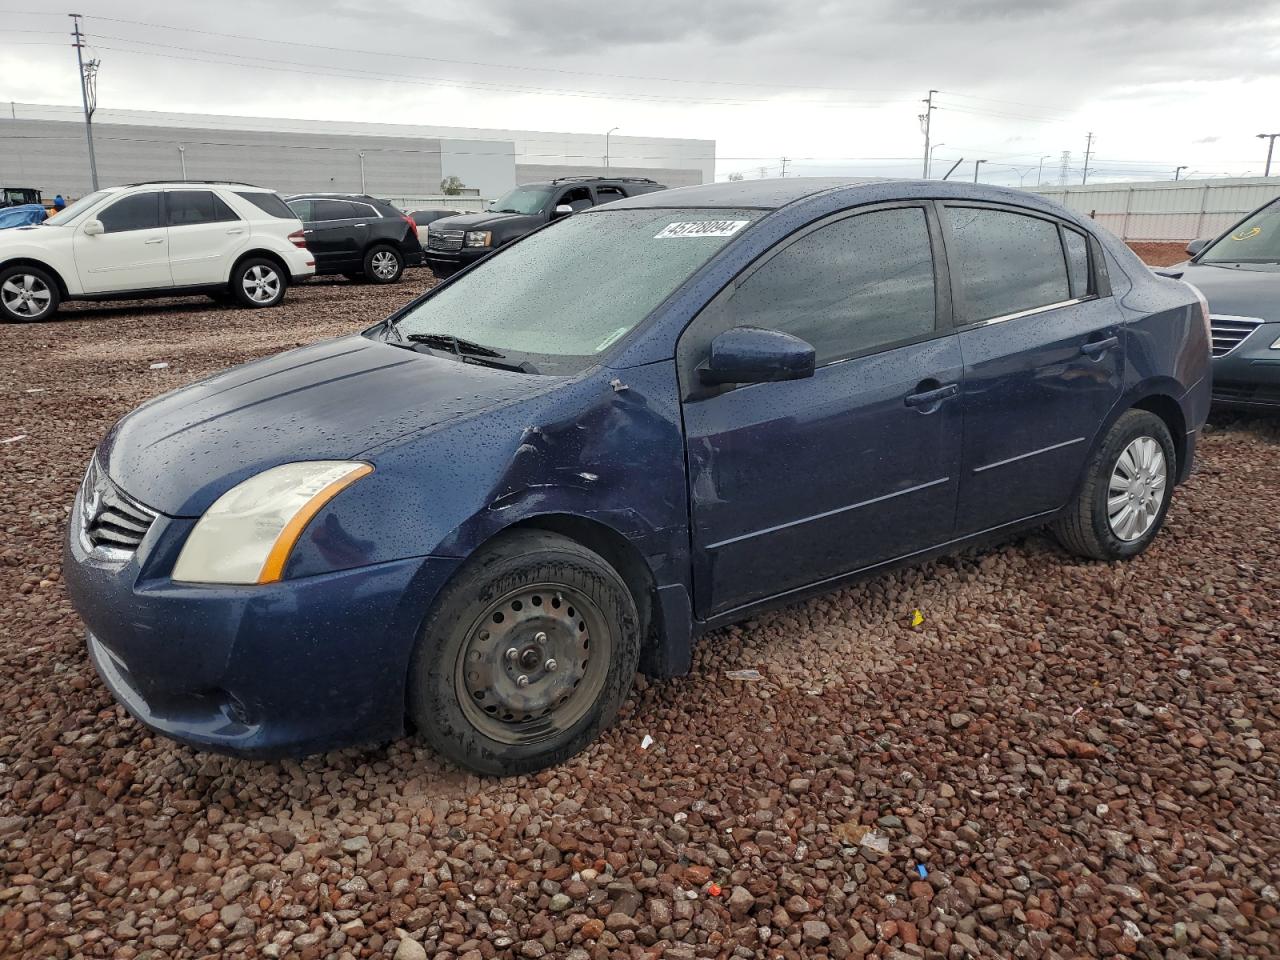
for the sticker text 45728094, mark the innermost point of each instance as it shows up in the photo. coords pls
(701, 228)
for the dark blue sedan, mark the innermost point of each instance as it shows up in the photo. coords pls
(479, 518)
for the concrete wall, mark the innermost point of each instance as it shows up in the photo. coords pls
(1169, 211)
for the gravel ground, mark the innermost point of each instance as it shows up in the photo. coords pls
(1064, 759)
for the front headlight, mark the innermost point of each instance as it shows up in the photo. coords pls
(247, 534)
(479, 238)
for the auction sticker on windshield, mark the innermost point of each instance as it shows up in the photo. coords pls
(701, 228)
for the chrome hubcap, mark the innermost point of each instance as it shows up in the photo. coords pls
(1137, 488)
(261, 283)
(384, 264)
(25, 295)
(533, 663)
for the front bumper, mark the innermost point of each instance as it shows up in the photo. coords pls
(281, 669)
(1248, 378)
(447, 264)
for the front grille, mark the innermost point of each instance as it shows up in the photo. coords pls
(1229, 332)
(447, 241)
(110, 517)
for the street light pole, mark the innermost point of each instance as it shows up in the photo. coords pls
(88, 93)
(932, 151)
(1177, 173)
(182, 159)
(606, 146)
(362, 187)
(1271, 145)
(976, 165)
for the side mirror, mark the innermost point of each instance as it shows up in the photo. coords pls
(1195, 246)
(93, 228)
(561, 210)
(755, 355)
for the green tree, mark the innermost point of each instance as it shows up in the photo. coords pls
(735, 176)
(452, 186)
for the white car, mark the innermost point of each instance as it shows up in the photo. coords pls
(155, 239)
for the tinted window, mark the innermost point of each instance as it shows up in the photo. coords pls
(334, 210)
(1077, 262)
(270, 204)
(140, 211)
(579, 198)
(1004, 263)
(847, 288)
(301, 209)
(1254, 240)
(608, 194)
(187, 207)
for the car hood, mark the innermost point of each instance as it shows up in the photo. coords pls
(1235, 292)
(330, 401)
(484, 221)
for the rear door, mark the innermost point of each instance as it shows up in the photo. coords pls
(205, 236)
(1043, 358)
(132, 252)
(799, 482)
(331, 231)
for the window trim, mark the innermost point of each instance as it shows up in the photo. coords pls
(949, 241)
(373, 211)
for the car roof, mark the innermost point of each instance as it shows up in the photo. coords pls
(772, 194)
(334, 196)
(181, 184)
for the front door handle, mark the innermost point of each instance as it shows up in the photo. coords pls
(235, 231)
(361, 224)
(1096, 348)
(154, 240)
(927, 398)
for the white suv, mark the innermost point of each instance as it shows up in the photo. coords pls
(155, 239)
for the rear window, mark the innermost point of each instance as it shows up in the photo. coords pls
(270, 204)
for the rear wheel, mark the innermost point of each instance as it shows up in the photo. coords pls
(1126, 491)
(258, 282)
(383, 265)
(528, 654)
(27, 294)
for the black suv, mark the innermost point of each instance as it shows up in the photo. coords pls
(455, 242)
(357, 235)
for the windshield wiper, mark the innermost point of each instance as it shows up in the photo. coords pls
(503, 210)
(468, 351)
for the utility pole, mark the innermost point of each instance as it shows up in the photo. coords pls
(1065, 170)
(1088, 151)
(88, 93)
(1271, 145)
(764, 172)
(1177, 173)
(1040, 173)
(926, 121)
(182, 159)
(976, 165)
(784, 166)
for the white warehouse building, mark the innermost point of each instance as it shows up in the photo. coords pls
(44, 147)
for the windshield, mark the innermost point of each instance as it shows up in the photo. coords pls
(73, 210)
(561, 297)
(1256, 240)
(522, 200)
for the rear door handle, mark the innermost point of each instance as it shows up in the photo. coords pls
(929, 397)
(361, 224)
(154, 240)
(1097, 348)
(235, 231)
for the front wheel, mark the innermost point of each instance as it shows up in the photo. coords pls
(527, 656)
(27, 294)
(1126, 491)
(383, 265)
(258, 282)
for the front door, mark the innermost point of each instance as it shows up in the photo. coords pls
(132, 252)
(1043, 357)
(799, 482)
(205, 236)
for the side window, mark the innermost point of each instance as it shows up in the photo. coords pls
(368, 211)
(139, 211)
(188, 207)
(579, 198)
(332, 210)
(1077, 248)
(608, 194)
(301, 209)
(849, 288)
(1003, 263)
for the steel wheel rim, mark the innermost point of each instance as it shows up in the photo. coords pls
(384, 264)
(261, 283)
(1136, 491)
(553, 636)
(26, 295)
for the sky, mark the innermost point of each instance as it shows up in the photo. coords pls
(834, 87)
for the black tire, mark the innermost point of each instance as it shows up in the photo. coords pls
(1087, 528)
(523, 587)
(247, 276)
(27, 295)
(383, 264)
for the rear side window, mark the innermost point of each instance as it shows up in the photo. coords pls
(608, 194)
(270, 204)
(849, 288)
(333, 210)
(301, 209)
(1004, 263)
(187, 207)
(1077, 248)
(138, 211)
